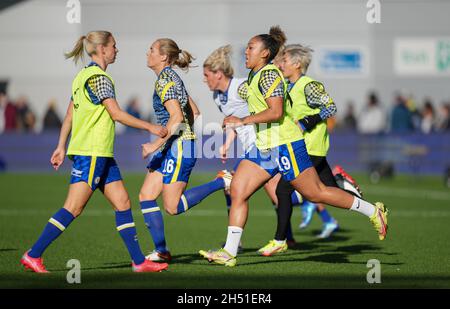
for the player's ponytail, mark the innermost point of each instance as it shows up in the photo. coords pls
(220, 60)
(175, 56)
(273, 41)
(89, 43)
(184, 60)
(77, 51)
(278, 35)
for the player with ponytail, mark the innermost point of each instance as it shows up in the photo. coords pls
(173, 156)
(90, 118)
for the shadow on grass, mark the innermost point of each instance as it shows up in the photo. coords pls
(106, 266)
(8, 249)
(338, 236)
(308, 251)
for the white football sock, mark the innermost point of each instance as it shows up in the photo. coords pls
(233, 239)
(363, 207)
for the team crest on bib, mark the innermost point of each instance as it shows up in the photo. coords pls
(325, 98)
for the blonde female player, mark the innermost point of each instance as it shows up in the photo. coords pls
(175, 154)
(90, 116)
(280, 149)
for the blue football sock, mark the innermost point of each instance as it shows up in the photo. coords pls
(295, 199)
(155, 224)
(195, 195)
(127, 230)
(325, 216)
(55, 226)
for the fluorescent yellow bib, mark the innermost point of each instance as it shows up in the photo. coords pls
(317, 140)
(272, 134)
(92, 126)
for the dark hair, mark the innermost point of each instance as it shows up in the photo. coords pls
(273, 41)
(373, 98)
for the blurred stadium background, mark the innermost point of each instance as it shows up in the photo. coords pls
(404, 61)
(390, 81)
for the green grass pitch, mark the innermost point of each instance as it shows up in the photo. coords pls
(416, 252)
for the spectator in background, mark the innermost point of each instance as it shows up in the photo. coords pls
(443, 118)
(373, 118)
(26, 120)
(134, 110)
(51, 118)
(416, 117)
(401, 117)
(428, 117)
(9, 115)
(349, 120)
(3, 102)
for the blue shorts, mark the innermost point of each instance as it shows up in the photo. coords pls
(288, 159)
(175, 162)
(95, 171)
(242, 157)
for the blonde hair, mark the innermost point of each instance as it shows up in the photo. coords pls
(300, 54)
(175, 55)
(220, 60)
(89, 44)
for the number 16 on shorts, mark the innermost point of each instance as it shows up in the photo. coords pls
(168, 166)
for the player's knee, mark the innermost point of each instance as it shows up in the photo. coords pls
(313, 195)
(236, 190)
(74, 210)
(316, 196)
(313, 198)
(236, 195)
(145, 196)
(124, 204)
(171, 210)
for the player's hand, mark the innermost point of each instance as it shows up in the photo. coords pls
(223, 153)
(232, 122)
(158, 130)
(57, 158)
(148, 149)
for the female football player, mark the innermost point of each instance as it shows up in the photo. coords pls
(90, 117)
(279, 148)
(175, 154)
(218, 75)
(311, 106)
